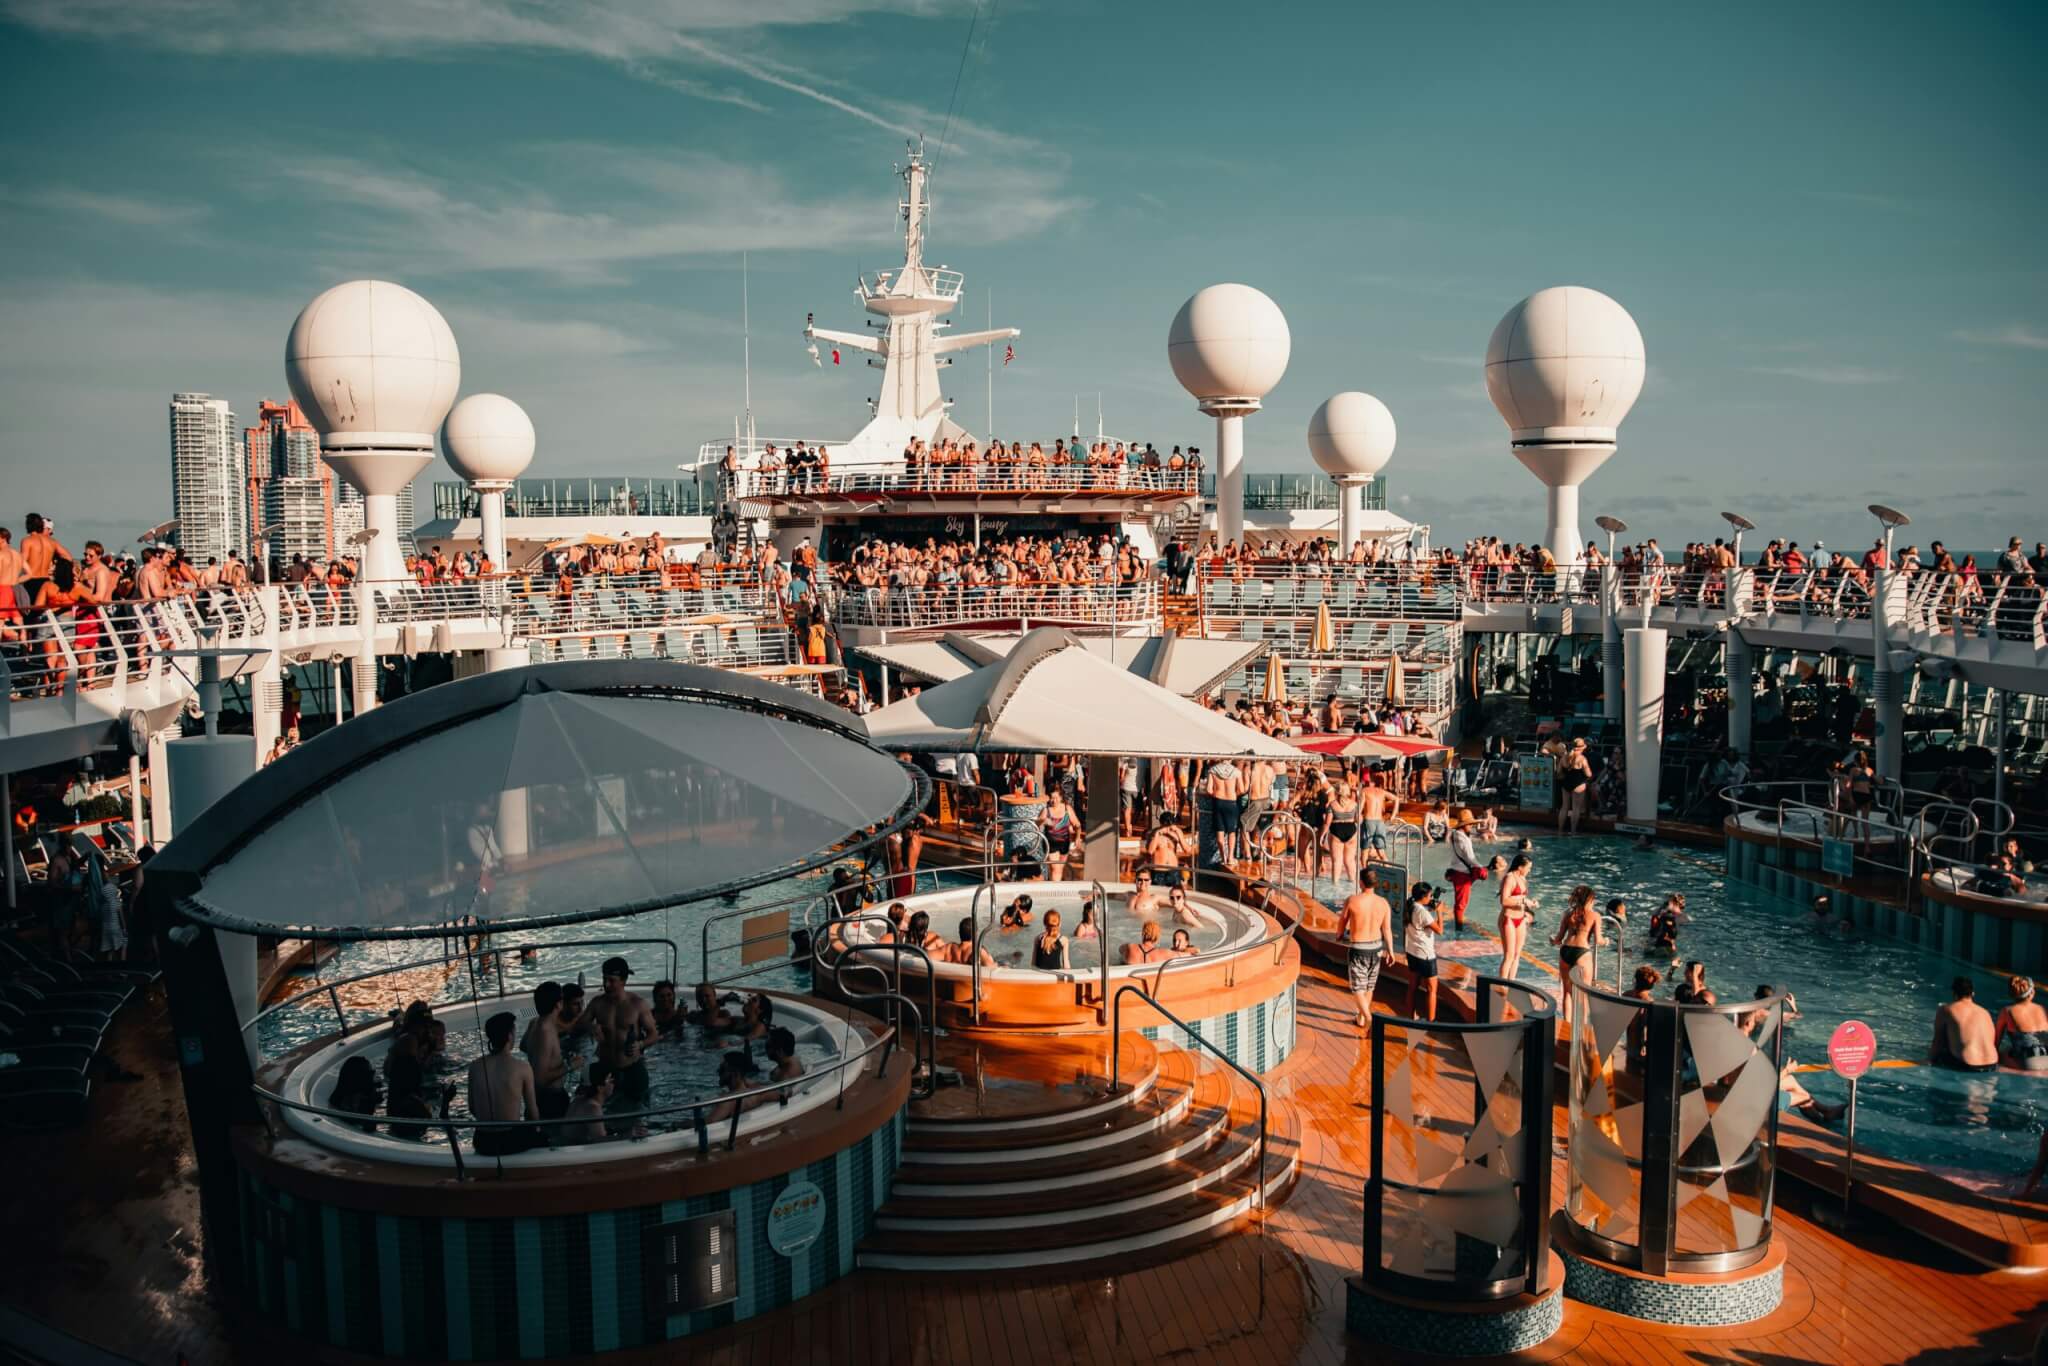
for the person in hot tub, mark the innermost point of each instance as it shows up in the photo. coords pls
(782, 1053)
(2022, 1029)
(1183, 914)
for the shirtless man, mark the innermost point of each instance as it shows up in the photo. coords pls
(39, 550)
(10, 560)
(967, 950)
(1375, 802)
(1143, 902)
(1225, 784)
(1964, 1040)
(98, 575)
(542, 1045)
(1170, 844)
(624, 1024)
(1259, 796)
(500, 1089)
(1368, 938)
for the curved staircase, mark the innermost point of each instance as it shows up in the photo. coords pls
(1068, 1175)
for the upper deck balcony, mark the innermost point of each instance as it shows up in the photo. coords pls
(979, 482)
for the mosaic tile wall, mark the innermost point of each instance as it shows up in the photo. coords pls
(554, 1285)
(1411, 1327)
(1700, 1306)
(1257, 1038)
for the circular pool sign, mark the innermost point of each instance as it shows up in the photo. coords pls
(796, 1218)
(1851, 1049)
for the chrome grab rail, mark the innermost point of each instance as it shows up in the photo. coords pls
(925, 1052)
(1116, 1039)
(1102, 940)
(1277, 940)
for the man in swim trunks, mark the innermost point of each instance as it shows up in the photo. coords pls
(501, 1088)
(1225, 786)
(1375, 801)
(1170, 844)
(1258, 795)
(1964, 1039)
(624, 1024)
(1368, 937)
(542, 1046)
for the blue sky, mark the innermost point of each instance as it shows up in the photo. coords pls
(1825, 218)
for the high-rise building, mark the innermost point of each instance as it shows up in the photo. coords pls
(291, 490)
(348, 518)
(209, 478)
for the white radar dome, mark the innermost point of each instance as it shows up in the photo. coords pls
(1351, 435)
(487, 439)
(1565, 364)
(1229, 341)
(373, 365)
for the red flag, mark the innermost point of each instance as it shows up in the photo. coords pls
(1009, 354)
(835, 355)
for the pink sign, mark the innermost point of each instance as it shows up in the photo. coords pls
(1851, 1049)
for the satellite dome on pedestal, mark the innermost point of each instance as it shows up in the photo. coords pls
(487, 439)
(1565, 364)
(1351, 436)
(1229, 341)
(374, 366)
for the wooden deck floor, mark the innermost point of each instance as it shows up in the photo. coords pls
(110, 1216)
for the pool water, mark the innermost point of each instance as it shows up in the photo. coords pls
(1012, 948)
(1980, 1128)
(679, 1068)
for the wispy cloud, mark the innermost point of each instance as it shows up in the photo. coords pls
(683, 206)
(127, 210)
(1828, 374)
(2018, 335)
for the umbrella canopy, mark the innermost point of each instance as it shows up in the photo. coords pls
(1276, 679)
(647, 784)
(1367, 746)
(1188, 665)
(1397, 681)
(1053, 695)
(592, 538)
(1325, 636)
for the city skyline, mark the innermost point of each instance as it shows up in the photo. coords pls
(1829, 256)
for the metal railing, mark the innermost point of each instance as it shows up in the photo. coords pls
(1015, 478)
(1377, 592)
(1230, 954)
(1116, 1042)
(858, 958)
(1525, 1254)
(1042, 603)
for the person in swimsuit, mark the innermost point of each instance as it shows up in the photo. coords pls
(1575, 777)
(501, 1088)
(1375, 802)
(1061, 829)
(1314, 814)
(1517, 913)
(625, 1025)
(1147, 949)
(1368, 937)
(967, 951)
(1664, 926)
(1639, 1024)
(2022, 1029)
(1169, 845)
(1225, 786)
(1578, 935)
(1183, 914)
(1089, 928)
(1694, 991)
(1049, 950)
(1963, 1037)
(1343, 832)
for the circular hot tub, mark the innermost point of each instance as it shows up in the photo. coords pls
(681, 1070)
(1235, 986)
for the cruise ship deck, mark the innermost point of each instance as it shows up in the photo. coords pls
(113, 1217)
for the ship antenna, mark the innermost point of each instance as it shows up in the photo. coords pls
(746, 354)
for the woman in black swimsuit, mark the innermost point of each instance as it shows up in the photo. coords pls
(1578, 934)
(1049, 950)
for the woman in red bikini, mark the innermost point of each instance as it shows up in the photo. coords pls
(1517, 913)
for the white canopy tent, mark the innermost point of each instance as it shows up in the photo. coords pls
(1053, 695)
(1188, 665)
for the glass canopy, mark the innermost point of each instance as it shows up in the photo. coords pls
(556, 806)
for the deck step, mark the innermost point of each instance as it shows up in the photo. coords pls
(1096, 1134)
(1172, 1170)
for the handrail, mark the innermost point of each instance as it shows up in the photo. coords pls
(974, 954)
(884, 1038)
(1619, 925)
(928, 1019)
(1229, 952)
(1116, 1039)
(747, 912)
(1102, 940)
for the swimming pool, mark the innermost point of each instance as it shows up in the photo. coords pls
(1976, 1128)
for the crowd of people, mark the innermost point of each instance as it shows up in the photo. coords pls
(954, 463)
(575, 1071)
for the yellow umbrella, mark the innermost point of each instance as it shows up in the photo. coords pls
(1276, 679)
(587, 538)
(1397, 682)
(1325, 636)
